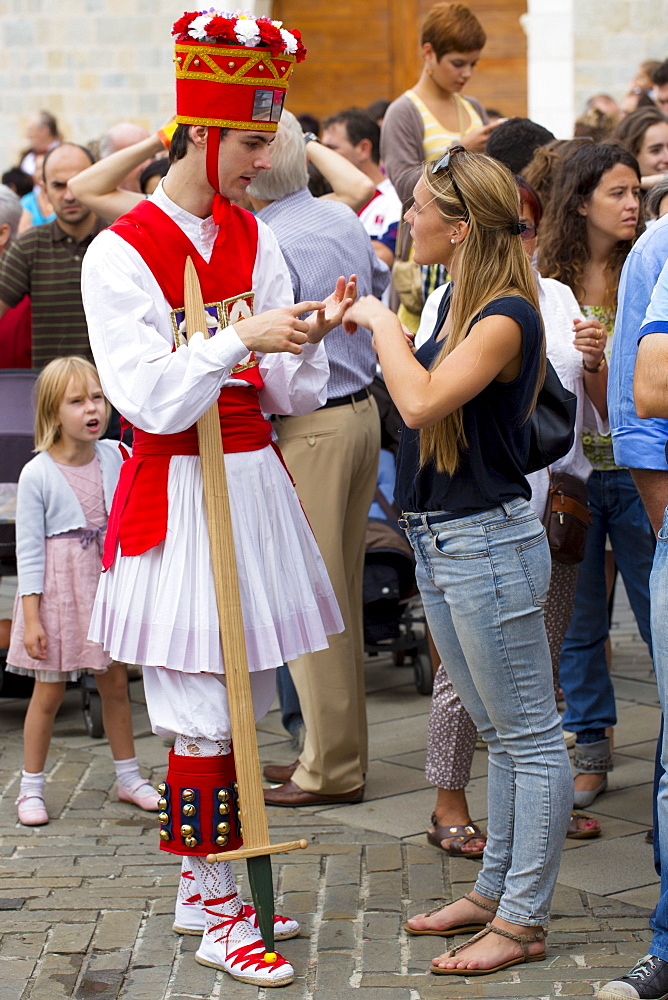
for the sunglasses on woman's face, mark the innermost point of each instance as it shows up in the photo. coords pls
(443, 163)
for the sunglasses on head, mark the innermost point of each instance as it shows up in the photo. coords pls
(443, 163)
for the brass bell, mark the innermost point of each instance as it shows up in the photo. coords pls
(188, 795)
(164, 835)
(223, 795)
(223, 809)
(163, 818)
(162, 803)
(191, 842)
(189, 810)
(187, 830)
(162, 788)
(223, 828)
(221, 841)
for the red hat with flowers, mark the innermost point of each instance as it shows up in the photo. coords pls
(233, 69)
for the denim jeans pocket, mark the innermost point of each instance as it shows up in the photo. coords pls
(460, 545)
(534, 555)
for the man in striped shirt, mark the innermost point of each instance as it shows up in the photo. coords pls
(45, 263)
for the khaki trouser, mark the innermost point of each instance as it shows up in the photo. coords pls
(332, 455)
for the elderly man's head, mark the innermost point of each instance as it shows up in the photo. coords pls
(10, 215)
(121, 136)
(42, 132)
(289, 172)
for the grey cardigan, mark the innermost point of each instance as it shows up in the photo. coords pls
(401, 147)
(46, 505)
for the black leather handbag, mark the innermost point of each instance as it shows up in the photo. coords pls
(552, 423)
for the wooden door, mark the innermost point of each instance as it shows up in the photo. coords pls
(361, 51)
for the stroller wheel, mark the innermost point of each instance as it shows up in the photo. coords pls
(422, 670)
(91, 706)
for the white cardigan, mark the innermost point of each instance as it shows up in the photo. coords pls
(46, 505)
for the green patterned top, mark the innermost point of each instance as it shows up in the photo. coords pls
(598, 447)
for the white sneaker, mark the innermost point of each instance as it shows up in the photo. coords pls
(232, 945)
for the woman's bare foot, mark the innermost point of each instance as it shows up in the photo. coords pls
(462, 913)
(452, 810)
(474, 846)
(588, 782)
(492, 950)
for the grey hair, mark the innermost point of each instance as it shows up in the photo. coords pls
(289, 172)
(655, 196)
(10, 210)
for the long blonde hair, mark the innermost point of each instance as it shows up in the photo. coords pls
(492, 263)
(51, 388)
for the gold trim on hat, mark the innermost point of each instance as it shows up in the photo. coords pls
(219, 75)
(228, 123)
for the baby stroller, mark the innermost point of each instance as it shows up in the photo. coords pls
(393, 616)
(16, 448)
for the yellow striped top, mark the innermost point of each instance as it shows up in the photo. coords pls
(437, 138)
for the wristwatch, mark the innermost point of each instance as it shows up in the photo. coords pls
(310, 137)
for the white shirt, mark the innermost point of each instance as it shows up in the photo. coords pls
(382, 211)
(163, 391)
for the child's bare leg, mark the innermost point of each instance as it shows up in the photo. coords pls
(38, 726)
(117, 718)
(116, 712)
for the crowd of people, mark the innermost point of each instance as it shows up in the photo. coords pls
(426, 260)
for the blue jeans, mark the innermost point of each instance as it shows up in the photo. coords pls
(659, 593)
(617, 512)
(484, 581)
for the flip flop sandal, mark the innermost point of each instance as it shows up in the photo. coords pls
(524, 939)
(574, 833)
(458, 837)
(457, 928)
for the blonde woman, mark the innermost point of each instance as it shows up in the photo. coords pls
(483, 562)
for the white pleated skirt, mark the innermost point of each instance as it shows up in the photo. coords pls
(159, 608)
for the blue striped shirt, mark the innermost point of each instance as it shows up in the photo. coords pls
(320, 240)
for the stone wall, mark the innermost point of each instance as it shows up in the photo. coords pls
(578, 48)
(90, 62)
(611, 38)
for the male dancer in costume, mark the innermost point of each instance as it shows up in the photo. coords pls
(156, 602)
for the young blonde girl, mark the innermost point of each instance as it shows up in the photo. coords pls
(64, 496)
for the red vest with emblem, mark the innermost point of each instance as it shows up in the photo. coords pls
(138, 517)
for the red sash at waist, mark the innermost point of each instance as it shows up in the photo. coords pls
(138, 517)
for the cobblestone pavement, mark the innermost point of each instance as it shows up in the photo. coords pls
(86, 902)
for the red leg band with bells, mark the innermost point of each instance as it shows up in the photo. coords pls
(199, 806)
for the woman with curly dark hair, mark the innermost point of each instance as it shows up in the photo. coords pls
(591, 223)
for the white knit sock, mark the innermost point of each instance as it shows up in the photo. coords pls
(32, 785)
(128, 775)
(188, 892)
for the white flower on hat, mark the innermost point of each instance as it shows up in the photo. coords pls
(290, 41)
(247, 31)
(198, 24)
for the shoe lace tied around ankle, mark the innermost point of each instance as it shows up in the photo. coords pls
(248, 955)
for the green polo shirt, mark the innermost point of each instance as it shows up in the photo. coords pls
(45, 263)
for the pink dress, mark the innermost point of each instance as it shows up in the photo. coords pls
(71, 576)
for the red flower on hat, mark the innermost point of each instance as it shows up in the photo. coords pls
(181, 26)
(300, 54)
(222, 30)
(270, 36)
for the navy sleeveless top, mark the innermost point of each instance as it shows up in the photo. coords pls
(491, 469)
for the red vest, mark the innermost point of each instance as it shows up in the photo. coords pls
(138, 516)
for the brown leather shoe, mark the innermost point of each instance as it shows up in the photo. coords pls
(279, 773)
(290, 794)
